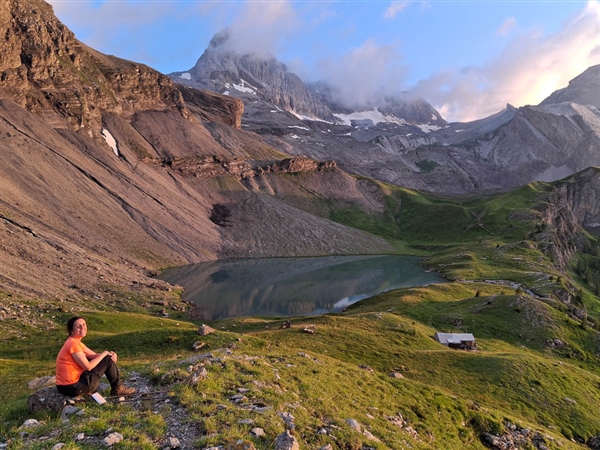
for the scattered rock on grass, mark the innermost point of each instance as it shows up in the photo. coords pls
(241, 445)
(197, 376)
(205, 330)
(288, 419)
(285, 441)
(354, 425)
(30, 423)
(112, 439)
(67, 411)
(198, 345)
(171, 443)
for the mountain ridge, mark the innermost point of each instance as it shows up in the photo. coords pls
(408, 143)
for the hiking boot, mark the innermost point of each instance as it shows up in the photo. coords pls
(122, 390)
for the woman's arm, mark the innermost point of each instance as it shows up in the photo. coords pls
(88, 362)
(90, 354)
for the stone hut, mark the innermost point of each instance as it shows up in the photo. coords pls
(461, 341)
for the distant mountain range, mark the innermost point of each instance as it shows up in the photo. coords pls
(404, 140)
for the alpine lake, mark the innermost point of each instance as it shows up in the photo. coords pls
(284, 287)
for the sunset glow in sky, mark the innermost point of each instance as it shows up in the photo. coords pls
(467, 58)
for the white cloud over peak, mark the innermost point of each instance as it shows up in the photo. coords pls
(529, 69)
(506, 26)
(362, 73)
(395, 8)
(263, 27)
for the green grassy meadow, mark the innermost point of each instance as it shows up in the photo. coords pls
(502, 290)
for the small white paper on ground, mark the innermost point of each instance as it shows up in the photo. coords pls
(96, 396)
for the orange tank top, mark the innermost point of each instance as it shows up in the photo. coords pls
(67, 369)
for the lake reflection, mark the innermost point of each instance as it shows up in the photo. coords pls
(292, 286)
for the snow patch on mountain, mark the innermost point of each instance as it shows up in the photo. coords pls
(313, 119)
(427, 127)
(245, 87)
(110, 140)
(186, 76)
(375, 116)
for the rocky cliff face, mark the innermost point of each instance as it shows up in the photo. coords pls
(573, 205)
(222, 70)
(45, 69)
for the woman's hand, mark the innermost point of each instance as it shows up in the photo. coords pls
(113, 356)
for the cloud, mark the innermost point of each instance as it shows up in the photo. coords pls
(263, 28)
(395, 8)
(530, 68)
(362, 75)
(506, 26)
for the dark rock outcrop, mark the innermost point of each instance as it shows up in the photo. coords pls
(573, 206)
(47, 399)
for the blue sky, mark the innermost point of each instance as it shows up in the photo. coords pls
(467, 58)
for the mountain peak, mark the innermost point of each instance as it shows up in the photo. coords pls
(584, 89)
(223, 69)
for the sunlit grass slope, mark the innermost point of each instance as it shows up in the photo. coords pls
(376, 363)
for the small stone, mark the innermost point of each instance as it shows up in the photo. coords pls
(262, 409)
(205, 330)
(285, 441)
(326, 447)
(288, 419)
(354, 425)
(238, 399)
(198, 345)
(196, 377)
(368, 435)
(79, 437)
(112, 439)
(67, 411)
(396, 375)
(171, 442)
(241, 445)
(58, 446)
(257, 432)
(30, 423)
(246, 421)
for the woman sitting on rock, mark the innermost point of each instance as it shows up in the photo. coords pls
(79, 369)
